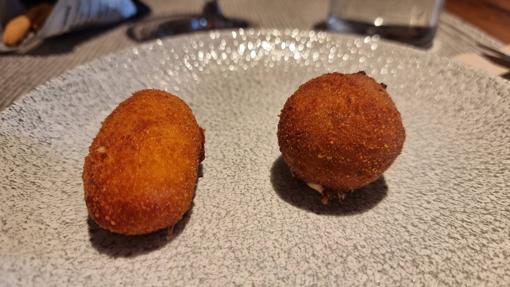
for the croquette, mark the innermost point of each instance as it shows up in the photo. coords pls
(340, 132)
(142, 167)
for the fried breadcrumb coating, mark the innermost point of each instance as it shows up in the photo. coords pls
(340, 131)
(142, 167)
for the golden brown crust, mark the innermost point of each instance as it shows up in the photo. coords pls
(141, 170)
(341, 131)
(16, 30)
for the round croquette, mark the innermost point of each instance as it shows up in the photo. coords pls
(340, 131)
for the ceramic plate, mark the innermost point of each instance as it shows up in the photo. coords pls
(439, 216)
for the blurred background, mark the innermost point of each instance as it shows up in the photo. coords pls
(451, 28)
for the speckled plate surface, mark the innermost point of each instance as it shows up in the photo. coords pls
(439, 216)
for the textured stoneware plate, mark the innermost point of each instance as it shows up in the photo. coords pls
(440, 215)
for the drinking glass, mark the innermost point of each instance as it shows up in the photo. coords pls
(410, 21)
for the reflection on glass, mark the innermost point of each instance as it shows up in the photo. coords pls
(411, 21)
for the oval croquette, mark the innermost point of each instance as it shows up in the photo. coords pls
(142, 167)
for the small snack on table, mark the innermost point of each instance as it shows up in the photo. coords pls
(18, 27)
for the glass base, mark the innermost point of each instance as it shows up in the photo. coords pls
(175, 25)
(211, 19)
(417, 36)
